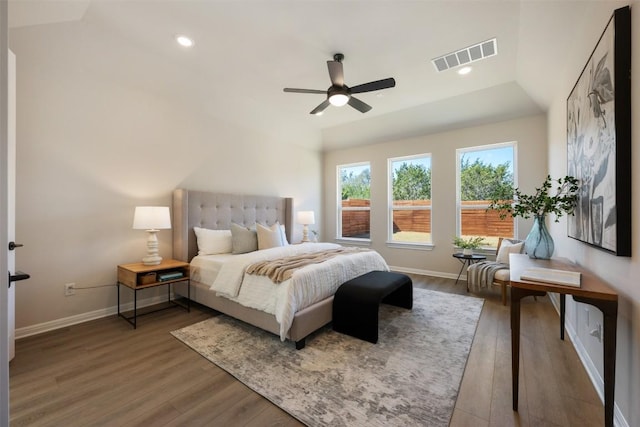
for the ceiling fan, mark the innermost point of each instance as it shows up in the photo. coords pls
(339, 93)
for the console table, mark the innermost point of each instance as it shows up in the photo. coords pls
(592, 291)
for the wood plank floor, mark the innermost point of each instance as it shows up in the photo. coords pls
(105, 373)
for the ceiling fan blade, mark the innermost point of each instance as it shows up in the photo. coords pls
(359, 105)
(320, 108)
(288, 89)
(371, 86)
(336, 73)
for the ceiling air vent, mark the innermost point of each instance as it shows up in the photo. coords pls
(467, 55)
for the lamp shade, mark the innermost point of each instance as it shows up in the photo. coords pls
(151, 218)
(306, 217)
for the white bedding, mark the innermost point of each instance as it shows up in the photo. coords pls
(205, 268)
(307, 286)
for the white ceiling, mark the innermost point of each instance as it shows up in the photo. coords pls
(246, 52)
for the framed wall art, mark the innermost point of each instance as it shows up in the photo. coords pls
(599, 141)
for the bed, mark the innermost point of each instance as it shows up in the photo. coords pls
(216, 211)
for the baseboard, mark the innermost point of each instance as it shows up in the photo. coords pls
(592, 371)
(427, 272)
(84, 317)
(98, 314)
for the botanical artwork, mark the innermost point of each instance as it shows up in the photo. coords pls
(594, 148)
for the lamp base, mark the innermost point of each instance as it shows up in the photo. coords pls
(152, 260)
(305, 233)
(152, 257)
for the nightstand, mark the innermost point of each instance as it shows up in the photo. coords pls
(138, 276)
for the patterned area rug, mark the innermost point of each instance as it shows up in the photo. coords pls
(411, 377)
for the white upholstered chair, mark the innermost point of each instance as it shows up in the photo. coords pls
(501, 277)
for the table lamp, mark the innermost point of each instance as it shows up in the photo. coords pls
(152, 219)
(306, 218)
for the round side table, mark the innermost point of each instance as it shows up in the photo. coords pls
(466, 261)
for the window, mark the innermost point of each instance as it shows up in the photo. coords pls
(410, 199)
(354, 191)
(483, 173)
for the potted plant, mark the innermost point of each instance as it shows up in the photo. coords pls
(539, 243)
(468, 245)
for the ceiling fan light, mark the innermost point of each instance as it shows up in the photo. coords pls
(184, 40)
(338, 99)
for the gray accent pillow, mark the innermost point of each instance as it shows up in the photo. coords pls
(243, 239)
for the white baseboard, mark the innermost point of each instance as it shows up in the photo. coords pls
(592, 371)
(85, 317)
(98, 314)
(427, 272)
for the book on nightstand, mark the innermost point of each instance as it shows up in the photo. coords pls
(170, 275)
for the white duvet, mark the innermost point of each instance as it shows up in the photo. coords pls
(307, 286)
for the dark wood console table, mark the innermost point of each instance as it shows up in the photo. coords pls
(592, 291)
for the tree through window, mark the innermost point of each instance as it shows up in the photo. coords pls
(354, 206)
(410, 199)
(483, 173)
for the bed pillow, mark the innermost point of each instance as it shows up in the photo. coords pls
(211, 242)
(508, 247)
(283, 234)
(269, 237)
(243, 239)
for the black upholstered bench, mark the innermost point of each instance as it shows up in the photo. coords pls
(356, 303)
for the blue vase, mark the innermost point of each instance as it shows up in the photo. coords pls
(539, 243)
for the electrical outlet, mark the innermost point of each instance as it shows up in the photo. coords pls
(597, 332)
(69, 289)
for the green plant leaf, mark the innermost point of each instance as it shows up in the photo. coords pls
(541, 202)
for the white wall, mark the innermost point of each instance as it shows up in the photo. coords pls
(620, 272)
(91, 148)
(530, 135)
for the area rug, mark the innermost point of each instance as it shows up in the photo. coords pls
(410, 377)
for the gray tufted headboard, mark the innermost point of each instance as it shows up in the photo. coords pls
(217, 211)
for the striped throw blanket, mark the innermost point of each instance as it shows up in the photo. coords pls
(480, 275)
(279, 270)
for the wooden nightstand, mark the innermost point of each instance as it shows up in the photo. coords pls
(138, 276)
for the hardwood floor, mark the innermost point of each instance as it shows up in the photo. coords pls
(105, 373)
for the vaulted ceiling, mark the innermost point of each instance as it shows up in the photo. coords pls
(246, 52)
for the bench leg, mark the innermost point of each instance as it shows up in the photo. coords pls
(401, 297)
(361, 322)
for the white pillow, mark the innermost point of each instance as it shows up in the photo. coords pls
(508, 247)
(283, 235)
(269, 237)
(211, 242)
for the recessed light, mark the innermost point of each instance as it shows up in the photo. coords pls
(464, 70)
(184, 41)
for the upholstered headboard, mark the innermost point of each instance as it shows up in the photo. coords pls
(217, 211)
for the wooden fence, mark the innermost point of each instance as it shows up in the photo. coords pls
(483, 222)
(475, 222)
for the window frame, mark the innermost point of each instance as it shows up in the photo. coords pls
(340, 209)
(459, 153)
(424, 245)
